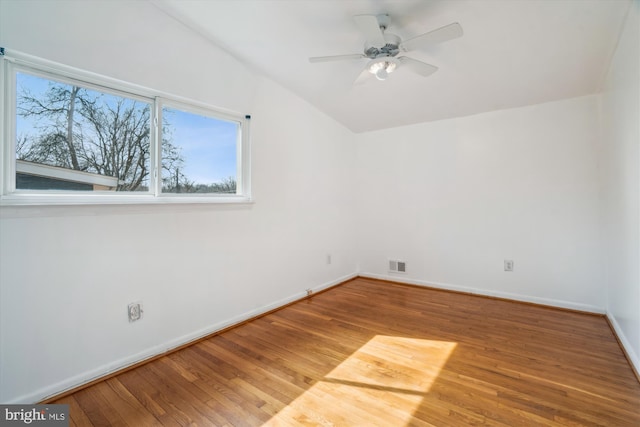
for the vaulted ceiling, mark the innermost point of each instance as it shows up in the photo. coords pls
(512, 53)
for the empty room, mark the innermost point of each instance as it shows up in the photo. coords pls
(320, 212)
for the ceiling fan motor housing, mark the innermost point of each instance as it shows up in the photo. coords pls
(389, 49)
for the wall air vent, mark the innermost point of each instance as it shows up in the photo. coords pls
(396, 266)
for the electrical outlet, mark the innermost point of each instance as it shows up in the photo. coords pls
(508, 265)
(135, 311)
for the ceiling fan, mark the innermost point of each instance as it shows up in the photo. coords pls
(382, 48)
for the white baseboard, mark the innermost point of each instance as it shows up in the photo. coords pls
(631, 354)
(490, 293)
(104, 370)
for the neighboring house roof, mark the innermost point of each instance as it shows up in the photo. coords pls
(68, 175)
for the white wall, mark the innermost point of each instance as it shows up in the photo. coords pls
(68, 273)
(455, 198)
(621, 186)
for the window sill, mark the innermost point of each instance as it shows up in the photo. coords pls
(67, 200)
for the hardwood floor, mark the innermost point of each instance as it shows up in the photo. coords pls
(370, 353)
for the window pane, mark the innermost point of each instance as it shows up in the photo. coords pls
(199, 153)
(73, 138)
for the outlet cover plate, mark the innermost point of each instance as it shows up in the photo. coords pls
(508, 265)
(134, 311)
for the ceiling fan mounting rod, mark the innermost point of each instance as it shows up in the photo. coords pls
(383, 21)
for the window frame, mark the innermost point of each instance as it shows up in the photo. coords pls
(14, 63)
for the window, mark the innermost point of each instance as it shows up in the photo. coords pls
(73, 137)
(199, 153)
(80, 134)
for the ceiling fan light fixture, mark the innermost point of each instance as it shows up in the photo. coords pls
(382, 68)
(382, 74)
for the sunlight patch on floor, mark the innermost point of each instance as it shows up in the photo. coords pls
(386, 378)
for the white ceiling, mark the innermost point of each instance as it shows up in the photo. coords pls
(512, 53)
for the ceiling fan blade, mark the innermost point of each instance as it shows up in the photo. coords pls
(442, 34)
(362, 77)
(335, 57)
(418, 67)
(369, 26)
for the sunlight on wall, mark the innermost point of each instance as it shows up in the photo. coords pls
(386, 378)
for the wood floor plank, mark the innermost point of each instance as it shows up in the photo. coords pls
(127, 407)
(371, 353)
(79, 418)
